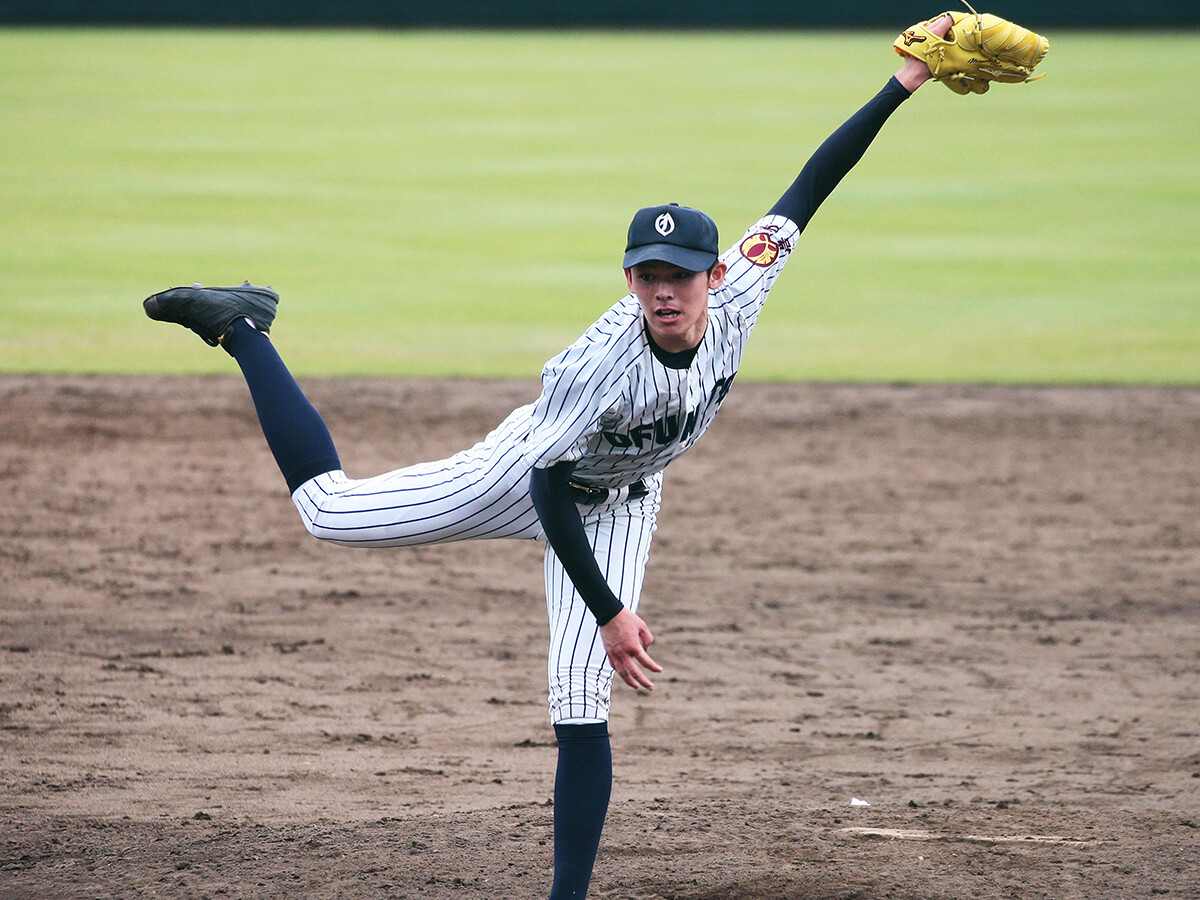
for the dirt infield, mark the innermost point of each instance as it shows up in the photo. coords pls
(973, 608)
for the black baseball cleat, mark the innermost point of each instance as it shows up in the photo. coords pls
(209, 311)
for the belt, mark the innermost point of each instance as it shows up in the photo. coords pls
(594, 495)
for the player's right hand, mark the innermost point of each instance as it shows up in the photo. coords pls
(626, 639)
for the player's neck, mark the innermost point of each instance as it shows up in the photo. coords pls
(672, 359)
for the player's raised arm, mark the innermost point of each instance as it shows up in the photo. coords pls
(842, 150)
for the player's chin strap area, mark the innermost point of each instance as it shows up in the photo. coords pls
(593, 495)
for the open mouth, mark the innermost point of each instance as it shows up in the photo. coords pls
(667, 315)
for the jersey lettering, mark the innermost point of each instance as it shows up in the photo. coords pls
(668, 429)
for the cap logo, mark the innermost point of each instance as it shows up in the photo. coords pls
(664, 224)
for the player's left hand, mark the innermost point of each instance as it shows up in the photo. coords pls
(915, 70)
(626, 639)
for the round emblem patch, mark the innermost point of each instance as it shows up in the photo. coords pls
(760, 249)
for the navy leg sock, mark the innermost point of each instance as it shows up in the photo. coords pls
(582, 788)
(294, 430)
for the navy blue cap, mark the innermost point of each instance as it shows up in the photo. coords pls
(679, 235)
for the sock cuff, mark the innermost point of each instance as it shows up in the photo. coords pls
(307, 471)
(582, 734)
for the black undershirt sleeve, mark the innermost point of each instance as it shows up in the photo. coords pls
(564, 532)
(838, 155)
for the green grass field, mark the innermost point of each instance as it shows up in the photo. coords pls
(455, 203)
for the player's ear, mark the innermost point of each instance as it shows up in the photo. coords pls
(629, 278)
(716, 277)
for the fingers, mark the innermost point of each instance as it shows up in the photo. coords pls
(629, 663)
(626, 638)
(941, 25)
(636, 678)
(645, 660)
(631, 671)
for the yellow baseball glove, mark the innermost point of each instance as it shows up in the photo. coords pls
(977, 50)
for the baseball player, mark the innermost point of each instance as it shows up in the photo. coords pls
(581, 467)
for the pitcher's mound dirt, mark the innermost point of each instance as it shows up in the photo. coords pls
(973, 608)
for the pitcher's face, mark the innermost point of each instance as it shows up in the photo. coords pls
(674, 301)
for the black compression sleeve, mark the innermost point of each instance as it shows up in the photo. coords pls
(564, 532)
(838, 155)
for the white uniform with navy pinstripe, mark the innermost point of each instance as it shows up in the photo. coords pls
(609, 406)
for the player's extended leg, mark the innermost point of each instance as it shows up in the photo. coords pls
(479, 493)
(237, 318)
(581, 684)
(295, 432)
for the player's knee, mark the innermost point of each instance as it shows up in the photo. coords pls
(321, 534)
(313, 518)
(327, 535)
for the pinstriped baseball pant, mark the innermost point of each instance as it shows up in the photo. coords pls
(578, 669)
(483, 493)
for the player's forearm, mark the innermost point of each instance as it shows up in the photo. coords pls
(840, 152)
(564, 532)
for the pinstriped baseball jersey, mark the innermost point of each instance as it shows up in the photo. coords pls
(607, 406)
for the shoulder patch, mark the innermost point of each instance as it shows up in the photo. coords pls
(760, 248)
